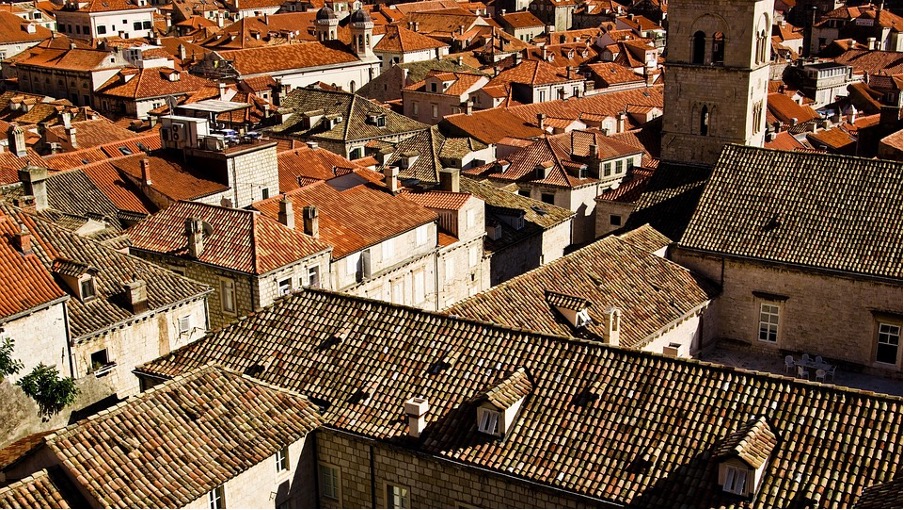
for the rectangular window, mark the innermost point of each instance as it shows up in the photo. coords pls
(488, 422)
(101, 29)
(615, 220)
(330, 481)
(769, 313)
(473, 256)
(351, 264)
(419, 294)
(282, 460)
(388, 250)
(472, 218)
(136, 25)
(450, 269)
(397, 497)
(414, 108)
(184, 324)
(420, 235)
(889, 340)
(619, 167)
(548, 198)
(542, 96)
(735, 481)
(314, 277)
(227, 295)
(285, 286)
(216, 498)
(398, 292)
(146, 25)
(524, 192)
(98, 360)
(87, 288)
(435, 110)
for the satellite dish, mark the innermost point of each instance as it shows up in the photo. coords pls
(171, 104)
(206, 229)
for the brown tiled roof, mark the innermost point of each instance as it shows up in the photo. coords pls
(77, 59)
(650, 291)
(124, 193)
(14, 29)
(347, 219)
(442, 200)
(594, 412)
(148, 83)
(894, 140)
(538, 216)
(25, 282)
(872, 61)
(48, 488)
(531, 72)
(303, 164)
(241, 240)
(92, 133)
(176, 442)
(510, 390)
(171, 177)
(752, 211)
(882, 495)
(549, 152)
(522, 19)
(668, 199)
(784, 141)
(835, 139)
(271, 59)
(610, 73)
(109, 5)
(753, 443)
(87, 318)
(401, 40)
(646, 238)
(784, 109)
(427, 145)
(10, 164)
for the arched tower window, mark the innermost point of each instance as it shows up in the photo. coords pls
(718, 48)
(699, 49)
(762, 47)
(704, 120)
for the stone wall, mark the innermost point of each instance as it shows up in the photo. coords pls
(266, 287)
(431, 482)
(253, 174)
(40, 337)
(822, 314)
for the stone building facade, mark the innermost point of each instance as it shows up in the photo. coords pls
(718, 64)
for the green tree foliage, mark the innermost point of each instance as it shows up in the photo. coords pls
(8, 364)
(51, 392)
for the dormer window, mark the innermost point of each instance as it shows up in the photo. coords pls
(498, 407)
(573, 308)
(79, 277)
(743, 457)
(87, 289)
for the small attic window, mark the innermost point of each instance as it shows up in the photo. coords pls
(488, 421)
(87, 288)
(744, 455)
(500, 404)
(735, 481)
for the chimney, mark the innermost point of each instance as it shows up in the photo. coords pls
(541, 120)
(461, 29)
(222, 88)
(469, 107)
(16, 137)
(461, 61)
(33, 178)
(311, 220)
(70, 134)
(391, 178)
(568, 71)
(417, 26)
(182, 53)
(621, 122)
(146, 172)
(416, 411)
(22, 242)
(593, 151)
(503, 12)
(611, 326)
(450, 179)
(67, 119)
(195, 232)
(545, 53)
(136, 292)
(793, 121)
(286, 212)
(871, 43)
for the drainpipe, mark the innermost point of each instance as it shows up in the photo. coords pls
(68, 341)
(373, 480)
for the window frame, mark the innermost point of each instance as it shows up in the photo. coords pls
(87, 288)
(405, 499)
(488, 421)
(733, 476)
(879, 343)
(216, 498)
(228, 283)
(179, 325)
(284, 287)
(777, 325)
(281, 457)
(335, 473)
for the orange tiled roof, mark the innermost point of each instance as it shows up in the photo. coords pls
(47, 488)
(401, 40)
(77, 59)
(148, 83)
(834, 138)
(444, 200)
(14, 29)
(92, 133)
(289, 56)
(522, 19)
(347, 219)
(784, 141)
(241, 240)
(784, 109)
(305, 165)
(611, 73)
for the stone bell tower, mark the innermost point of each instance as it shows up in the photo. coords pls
(717, 77)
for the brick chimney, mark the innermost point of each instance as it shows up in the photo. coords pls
(195, 232)
(136, 294)
(469, 107)
(612, 326)
(70, 134)
(541, 120)
(22, 242)
(33, 178)
(16, 138)
(416, 411)
(311, 220)
(286, 212)
(450, 179)
(146, 179)
(621, 122)
(391, 178)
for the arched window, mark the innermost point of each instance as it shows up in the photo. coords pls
(763, 47)
(718, 48)
(704, 121)
(352, 86)
(699, 47)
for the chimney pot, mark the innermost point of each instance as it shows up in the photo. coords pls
(70, 133)
(33, 181)
(541, 120)
(195, 233)
(136, 293)
(286, 212)
(16, 138)
(22, 242)
(146, 179)
(416, 410)
(450, 179)
(391, 178)
(311, 220)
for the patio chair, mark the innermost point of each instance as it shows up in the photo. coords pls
(803, 372)
(818, 360)
(821, 375)
(831, 372)
(789, 364)
(805, 358)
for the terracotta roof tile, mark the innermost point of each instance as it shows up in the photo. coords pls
(14, 29)
(593, 414)
(149, 83)
(92, 133)
(26, 283)
(347, 222)
(241, 240)
(769, 212)
(753, 443)
(270, 59)
(401, 40)
(182, 435)
(510, 390)
(303, 165)
(522, 19)
(48, 488)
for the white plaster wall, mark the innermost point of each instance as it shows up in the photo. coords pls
(39, 338)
